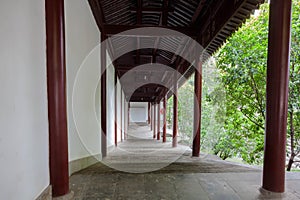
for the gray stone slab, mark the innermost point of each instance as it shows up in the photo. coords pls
(187, 178)
(188, 187)
(218, 190)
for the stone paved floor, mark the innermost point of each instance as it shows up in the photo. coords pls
(140, 169)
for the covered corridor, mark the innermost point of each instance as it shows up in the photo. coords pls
(72, 68)
(203, 178)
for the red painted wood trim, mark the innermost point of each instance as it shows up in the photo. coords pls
(151, 116)
(165, 120)
(122, 115)
(197, 111)
(158, 121)
(277, 95)
(57, 109)
(128, 115)
(175, 112)
(149, 112)
(154, 120)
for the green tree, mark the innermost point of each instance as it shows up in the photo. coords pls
(185, 112)
(242, 61)
(294, 89)
(233, 124)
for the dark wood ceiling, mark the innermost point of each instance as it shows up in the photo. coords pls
(209, 22)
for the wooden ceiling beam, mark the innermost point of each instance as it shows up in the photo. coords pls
(145, 95)
(140, 100)
(198, 11)
(220, 18)
(139, 17)
(164, 14)
(127, 68)
(151, 10)
(118, 29)
(139, 14)
(161, 95)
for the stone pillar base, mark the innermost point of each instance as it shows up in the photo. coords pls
(266, 194)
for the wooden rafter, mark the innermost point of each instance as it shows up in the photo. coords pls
(210, 24)
(139, 14)
(151, 10)
(118, 29)
(164, 14)
(139, 17)
(198, 11)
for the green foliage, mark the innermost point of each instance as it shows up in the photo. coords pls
(186, 112)
(232, 125)
(294, 86)
(170, 112)
(243, 61)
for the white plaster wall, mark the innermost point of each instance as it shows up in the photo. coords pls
(121, 126)
(83, 66)
(119, 110)
(138, 112)
(110, 104)
(157, 112)
(23, 118)
(111, 107)
(161, 116)
(82, 36)
(126, 116)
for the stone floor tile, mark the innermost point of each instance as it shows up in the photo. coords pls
(207, 178)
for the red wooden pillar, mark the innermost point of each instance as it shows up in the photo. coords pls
(128, 123)
(121, 111)
(158, 121)
(148, 112)
(57, 111)
(121, 120)
(116, 111)
(197, 111)
(154, 120)
(175, 112)
(151, 116)
(128, 113)
(103, 98)
(123, 115)
(165, 120)
(124, 118)
(277, 95)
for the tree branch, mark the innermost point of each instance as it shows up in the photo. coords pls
(257, 124)
(257, 95)
(246, 97)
